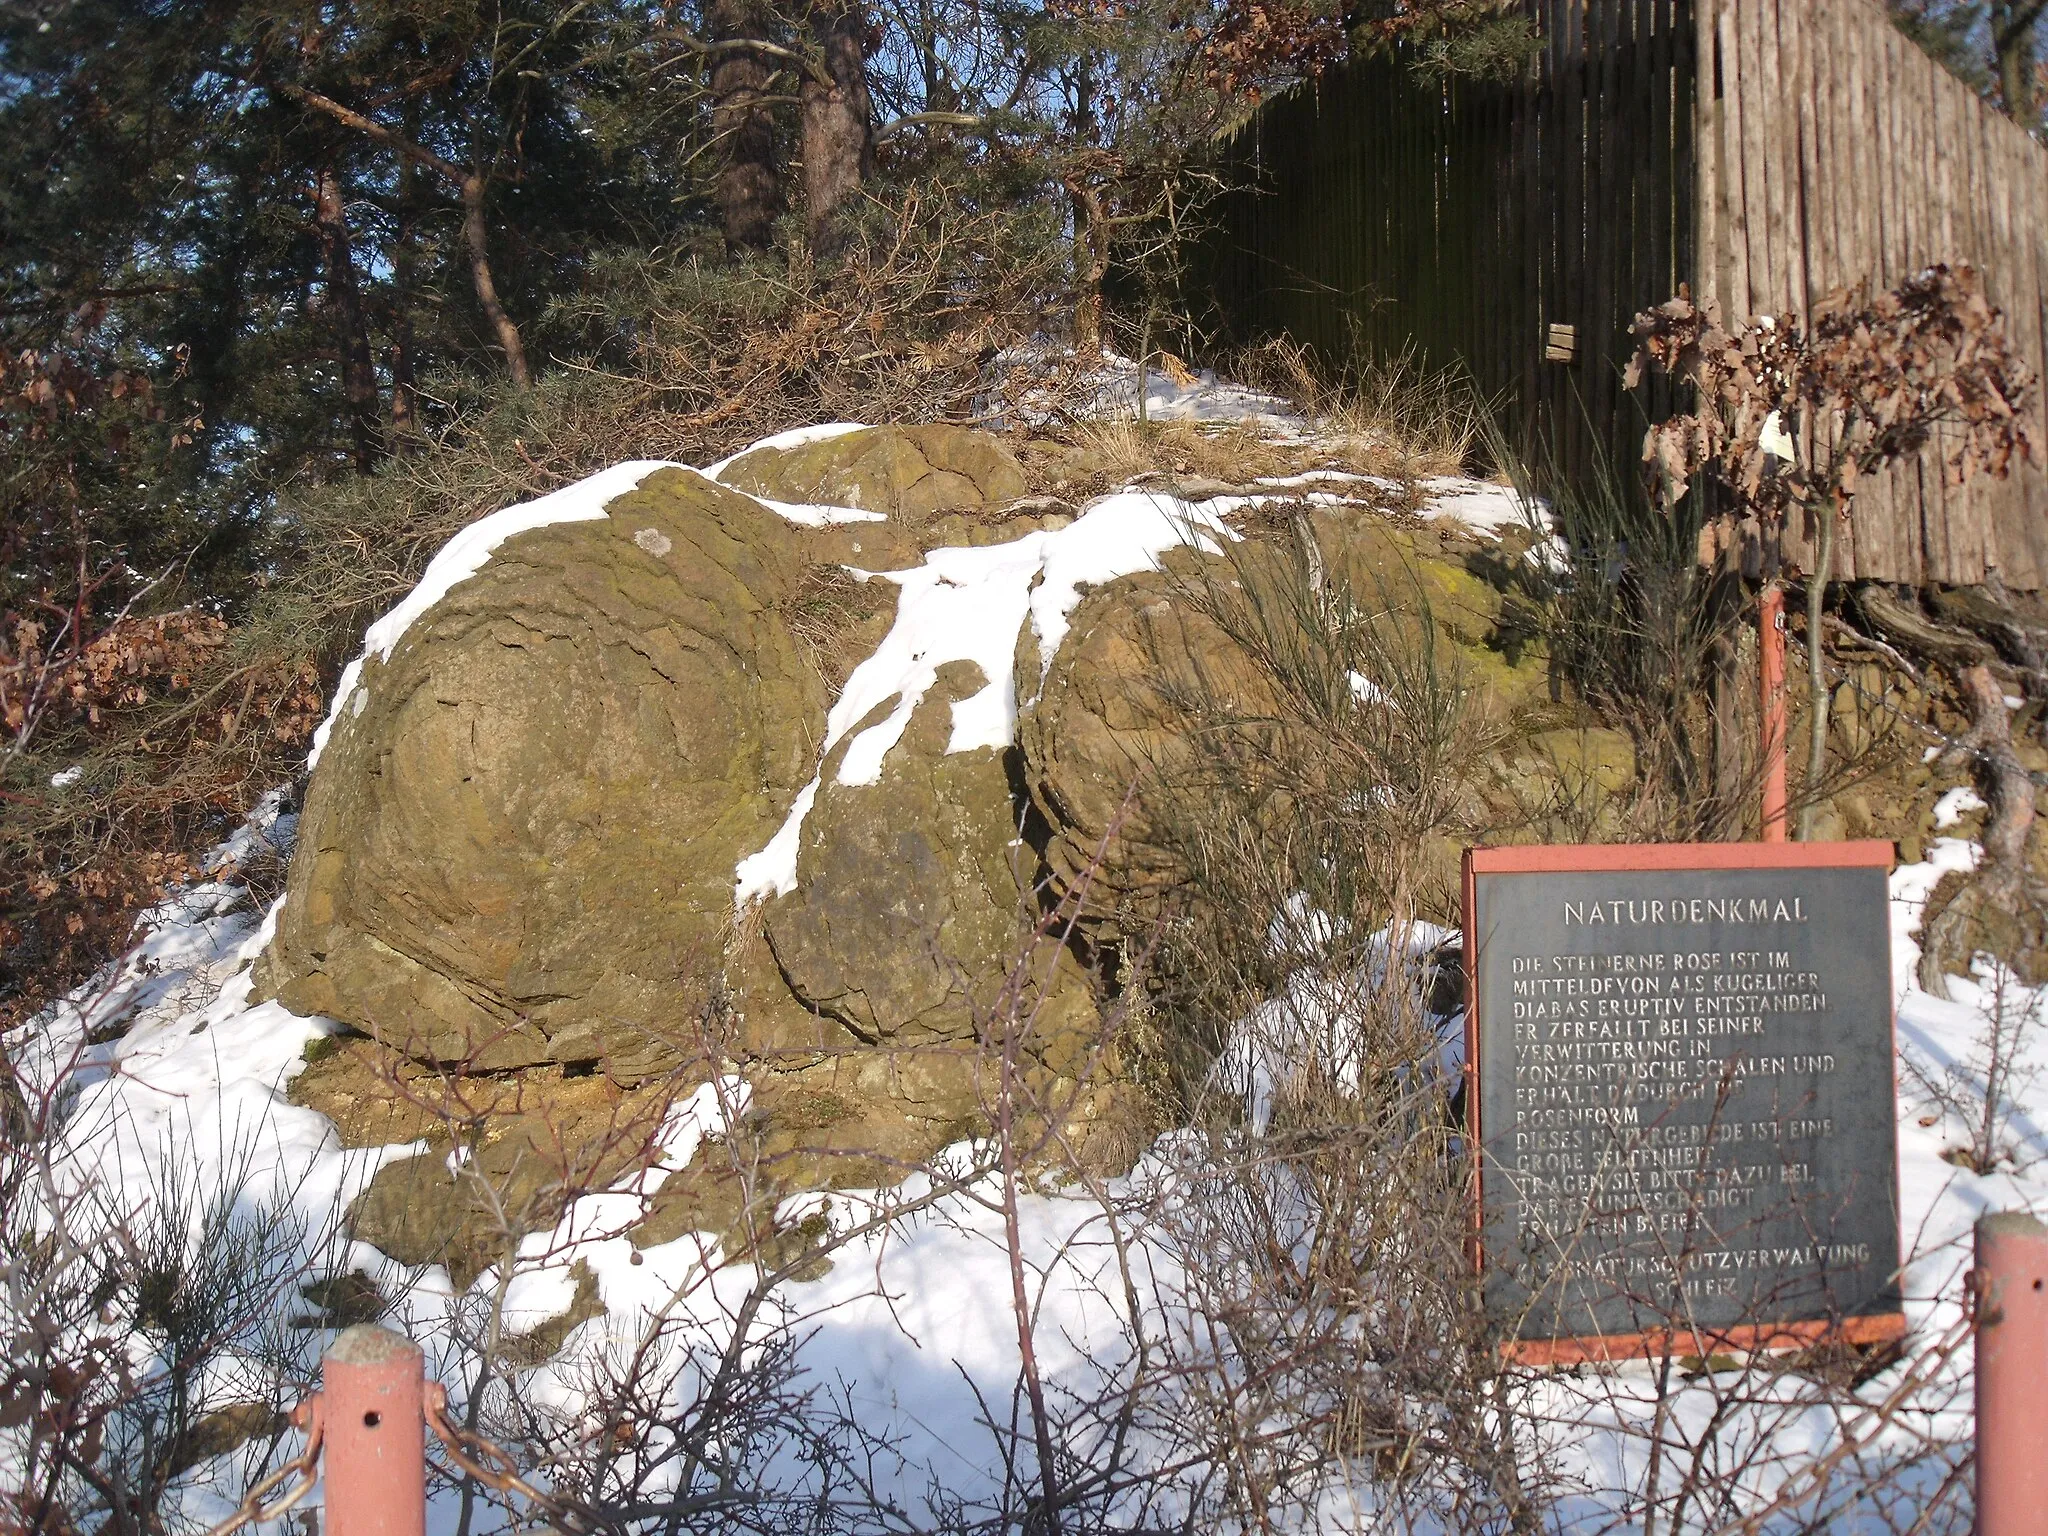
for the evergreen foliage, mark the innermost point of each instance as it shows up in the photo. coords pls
(290, 291)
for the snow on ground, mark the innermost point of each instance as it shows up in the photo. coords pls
(1197, 395)
(1481, 505)
(1108, 387)
(911, 1325)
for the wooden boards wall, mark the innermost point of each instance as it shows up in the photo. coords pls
(1378, 212)
(1831, 149)
(1768, 151)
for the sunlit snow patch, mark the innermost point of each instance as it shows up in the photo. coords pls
(1480, 505)
(1957, 803)
(969, 605)
(467, 553)
(796, 437)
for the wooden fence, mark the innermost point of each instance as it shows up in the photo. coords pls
(1831, 148)
(1768, 151)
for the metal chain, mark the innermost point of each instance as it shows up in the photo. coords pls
(493, 1466)
(305, 1466)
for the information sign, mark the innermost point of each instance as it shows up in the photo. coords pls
(1681, 1084)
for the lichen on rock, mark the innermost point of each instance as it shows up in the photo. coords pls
(519, 844)
(913, 474)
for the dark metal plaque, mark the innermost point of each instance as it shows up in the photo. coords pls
(1681, 1060)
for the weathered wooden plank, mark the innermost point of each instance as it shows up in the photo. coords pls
(1747, 203)
(1762, 186)
(1889, 155)
(1810, 189)
(1709, 280)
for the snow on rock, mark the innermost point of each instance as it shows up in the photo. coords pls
(796, 437)
(969, 605)
(464, 555)
(585, 501)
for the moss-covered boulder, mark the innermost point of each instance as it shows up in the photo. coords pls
(913, 474)
(1148, 663)
(908, 898)
(520, 841)
(912, 931)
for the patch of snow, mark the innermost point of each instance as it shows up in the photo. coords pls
(64, 778)
(1481, 505)
(1108, 388)
(1366, 691)
(807, 515)
(1775, 440)
(1957, 803)
(468, 551)
(1300, 927)
(344, 691)
(773, 869)
(267, 828)
(1324, 476)
(1324, 1017)
(796, 437)
(1202, 397)
(969, 605)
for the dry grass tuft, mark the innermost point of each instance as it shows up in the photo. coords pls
(838, 620)
(1396, 418)
(1394, 422)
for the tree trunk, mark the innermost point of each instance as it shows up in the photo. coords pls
(2001, 883)
(1091, 228)
(838, 120)
(1091, 266)
(2012, 39)
(405, 414)
(474, 235)
(352, 332)
(405, 421)
(749, 184)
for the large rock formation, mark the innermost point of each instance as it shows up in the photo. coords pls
(911, 473)
(519, 844)
(1150, 662)
(519, 849)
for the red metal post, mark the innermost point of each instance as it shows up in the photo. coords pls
(373, 1402)
(1770, 626)
(2012, 1375)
